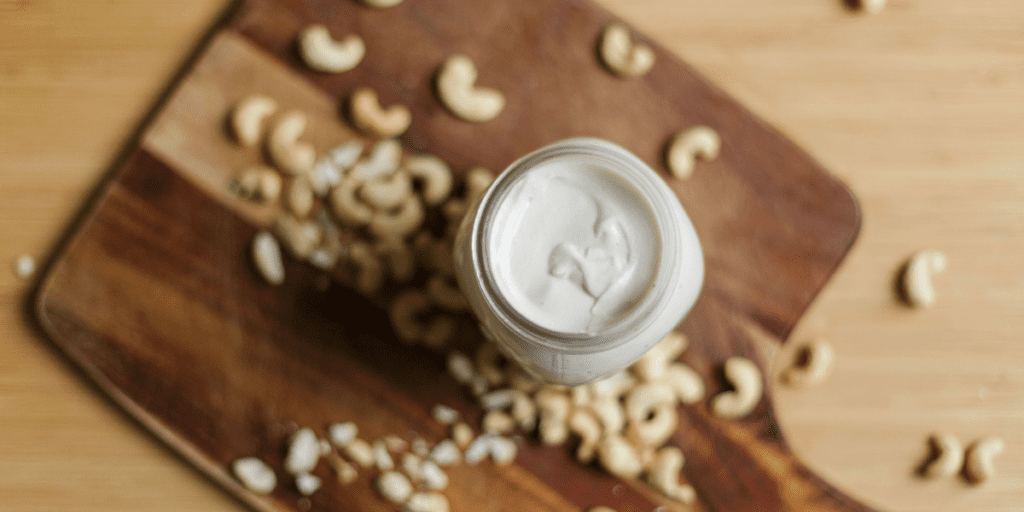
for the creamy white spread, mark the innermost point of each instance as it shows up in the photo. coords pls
(574, 247)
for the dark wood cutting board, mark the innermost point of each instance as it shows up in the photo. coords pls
(154, 298)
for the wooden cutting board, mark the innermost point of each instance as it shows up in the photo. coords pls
(154, 298)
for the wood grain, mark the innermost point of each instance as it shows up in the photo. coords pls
(915, 108)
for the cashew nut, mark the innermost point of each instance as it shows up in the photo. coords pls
(399, 257)
(346, 472)
(426, 502)
(380, 4)
(686, 147)
(618, 457)
(371, 118)
(622, 56)
(254, 474)
(248, 116)
(341, 434)
(460, 367)
(685, 382)
(455, 87)
(285, 150)
(462, 434)
(811, 365)
(948, 456)
(387, 191)
(435, 175)
(652, 415)
(664, 475)
(609, 412)
(347, 206)
(653, 364)
(917, 277)
(266, 255)
(394, 486)
(321, 52)
(381, 458)
(360, 452)
(369, 269)
(300, 196)
(300, 237)
(345, 155)
(324, 176)
(478, 180)
(583, 424)
(445, 453)
(499, 422)
(303, 452)
(554, 412)
(524, 411)
(497, 400)
(745, 378)
(405, 313)
(446, 293)
(406, 219)
(979, 465)
(612, 386)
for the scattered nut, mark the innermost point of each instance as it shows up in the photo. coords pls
(664, 475)
(266, 255)
(307, 484)
(497, 400)
(685, 382)
(347, 206)
(255, 475)
(394, 486)
(622, 56)
(360, 452)
(445, 453)
(948, 456)
(446, 293)
(653, 364)
(456, 89)
(369, 269)
(503, 450)
(444, 414)
(420, 447)
(478, 180)
(341, 434)
(384, 158)
(585, 425)
(371, 118)
(322, 53)
(248, 116)
(524, 411)
(258, 183)
(381, 458)
(651, 411)
(433, 173)
(426, 502)
(345, 155)
(387, 191)
(411, 464)
(324, 176)
(554, 413)
(432, 476)
(917, 277)
(745, 378)
(346, 472)
(406, 219)
(299, 237)
(811, 365)
(285, 150)
(303, 452)
(686, 147)
(979, 462)
(462, 434)
(618, 457)
(460, 367)
(395, 444)
(300, 197)
(498, 422)
(609, 412)
(405, 313)
(613, 386)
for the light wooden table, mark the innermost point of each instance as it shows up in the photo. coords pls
(920, 109)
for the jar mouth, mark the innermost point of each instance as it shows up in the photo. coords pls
(659, 200)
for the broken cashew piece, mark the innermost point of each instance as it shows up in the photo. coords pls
(321, 52)
(686, 147)
(405, 220)
(371, 118)
(917, 277)
(285, 150)
(433, 173)
(948, 456)
(622, 56)
(266, 255)
(979, 463)
(248, 116)
(455, 86)
(811, 365)
(745, 378)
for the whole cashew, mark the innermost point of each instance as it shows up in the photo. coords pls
(455, 87)
(257, 183)
(685, 382)
(369, 269)
(300, 196)
(554, 412)
(979, 465)
(583, 424)
(948, 456)
(664, 475)
(652, 415)
(812, 365)
(346, 154)
(618, 457)
(321, 52)
(347, 206)
(653, 364)
(621, 55)
(917, 277)
(745, 378)
(247, 118)
(383, 159)
(609, 412)
(285, 150)
(371, 118)
(300, 237)
(686, 147)
(433, 173)
(387, 191)
(266, 255)
(405, 220)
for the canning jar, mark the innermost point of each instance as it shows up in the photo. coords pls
(577, 260)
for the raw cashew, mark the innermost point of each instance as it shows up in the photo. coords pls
(383, 159)
(254, 474)
(652, 415)
(347, 206)
(745, 378)
(524, 411)
(554, 413)
(664, 475)
(618, 457)
(300, 237)
(499, 422)
(478, 180)
(455, 86)
(917, 277)
(979, 465)
(686, 147)
(435, 175)
(405, 220)
(446, 293)
(322, 53)
(583, 424)
(300, 196)
(257, 183)
(285, 150)
(948, 456)
(811, 366)
(622, 56)
(369, 269)
(248, 116)
(685, 382)
(394, 486)
(462, 434)
(653, 364)
(346, 154)
(388, 191)
(609, 412)
(371, 118)
(426, 501)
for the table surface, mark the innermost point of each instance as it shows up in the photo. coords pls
(919, 109)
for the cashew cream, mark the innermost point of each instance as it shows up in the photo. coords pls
(577, 246)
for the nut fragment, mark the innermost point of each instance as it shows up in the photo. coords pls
(411, 464)
(433, 173)
(686, 147)
(266, 255)
(381, 458)
(307, 484)
(524, 411)
(321, 52)
(346, 472)
(370, 117)
(460, 367)
(432, 476)
(618, 457)
(394, 486)
(664, 475)
(497, 400)
(462, 434)
(426, 502)
(811, 365)
(360, 452)
(622, 56)
(254, 474)
(445, 453)
(248, 116)
(303, 452)
(444, 414)
(342, 434)
(503, 450)
(287, 152)
(499, 422)
(745, 378)
(979, 463)
(948, 456)
(917, 277)
(300, 196)
(456, 88)
(257, 183)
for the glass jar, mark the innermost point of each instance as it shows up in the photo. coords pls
(577, 260)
